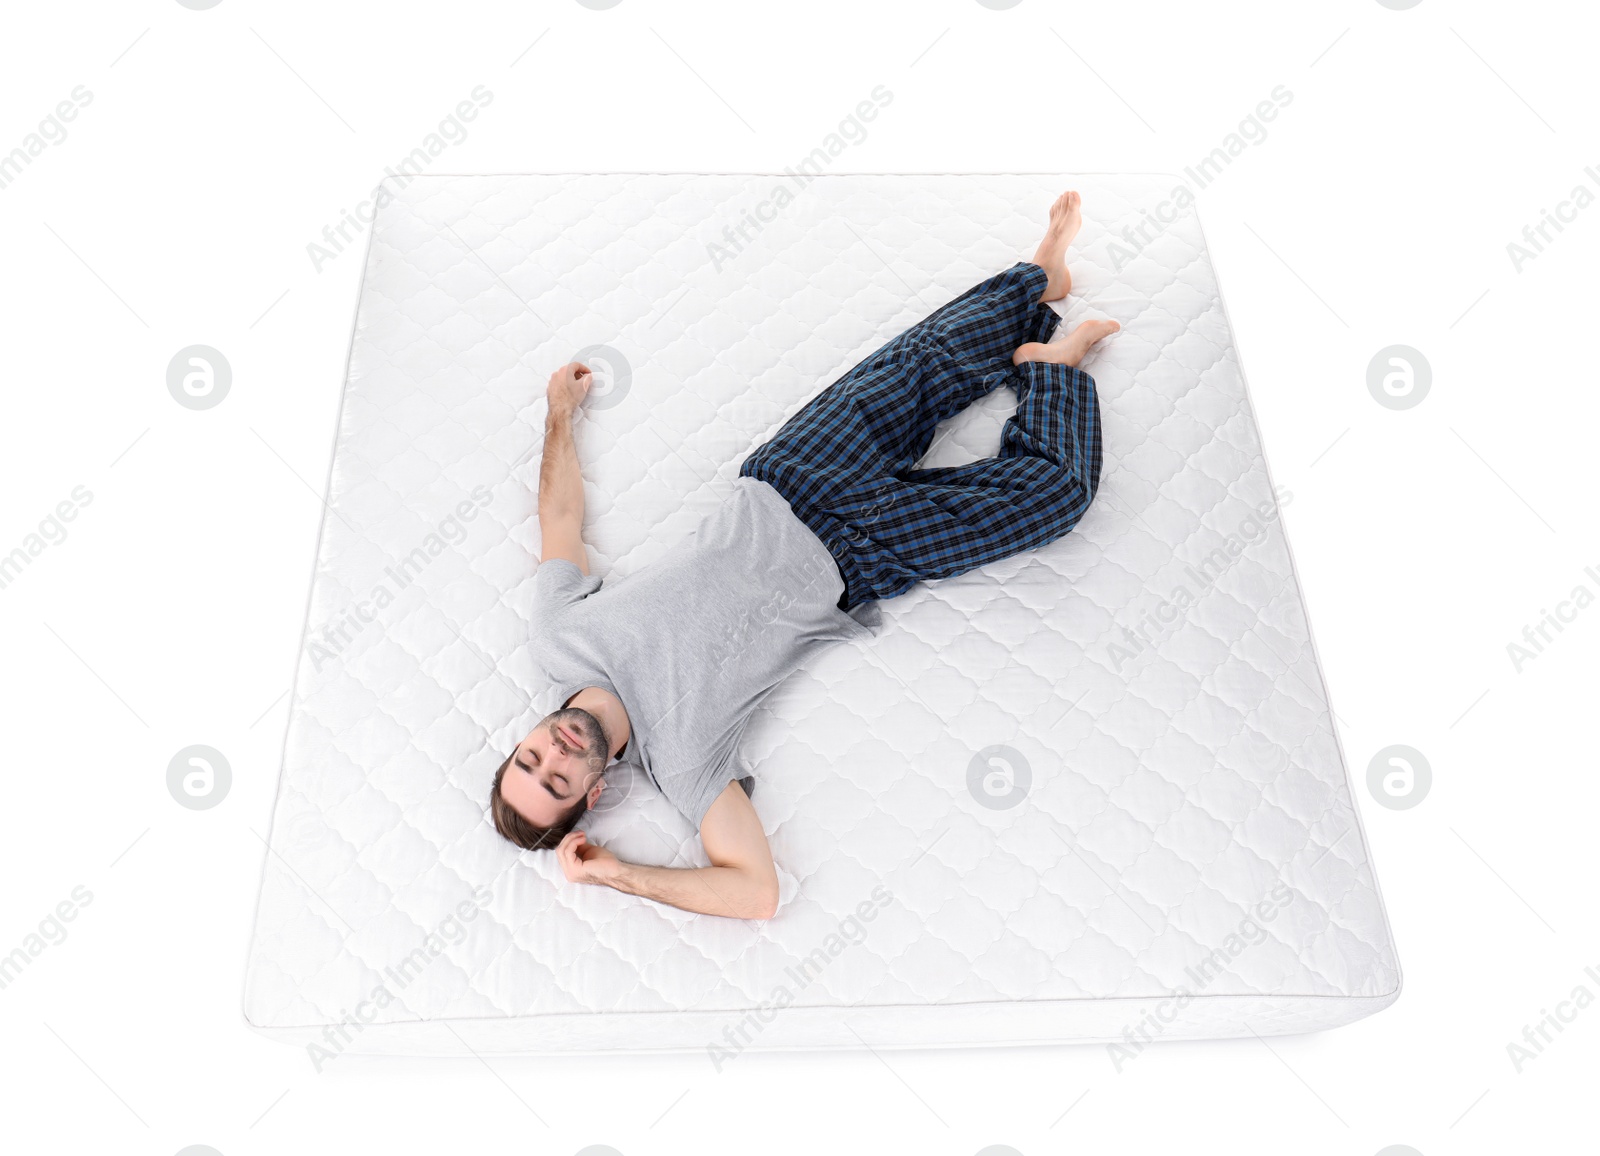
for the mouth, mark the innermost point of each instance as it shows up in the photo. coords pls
(569, 737)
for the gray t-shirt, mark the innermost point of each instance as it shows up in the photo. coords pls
(695, 640)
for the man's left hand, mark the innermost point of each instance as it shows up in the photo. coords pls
(586, 862)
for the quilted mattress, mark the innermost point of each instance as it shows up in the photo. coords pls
(1091, 793)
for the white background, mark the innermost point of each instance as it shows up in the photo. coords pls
(1378, 210)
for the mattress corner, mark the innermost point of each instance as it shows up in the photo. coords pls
(246, 1019)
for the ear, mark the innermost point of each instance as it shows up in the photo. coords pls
(594, 791)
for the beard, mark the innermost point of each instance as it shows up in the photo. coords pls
(590, 730)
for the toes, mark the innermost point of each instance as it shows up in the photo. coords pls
(1090, 332)
(1099, 330)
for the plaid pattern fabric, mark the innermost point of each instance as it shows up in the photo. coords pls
(845, 462)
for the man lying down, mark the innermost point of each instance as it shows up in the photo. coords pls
(666, 667)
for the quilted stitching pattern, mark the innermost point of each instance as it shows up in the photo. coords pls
(1172, 790)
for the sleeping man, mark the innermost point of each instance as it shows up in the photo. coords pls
(665, 667)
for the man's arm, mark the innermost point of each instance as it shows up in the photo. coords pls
(741, 882)
(560, 482)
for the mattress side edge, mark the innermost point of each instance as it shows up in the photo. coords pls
(305, 623)
(677, 1032)
(1316, 654)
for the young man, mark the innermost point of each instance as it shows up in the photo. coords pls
(667, 666)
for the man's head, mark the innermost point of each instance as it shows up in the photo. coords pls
(554, 776)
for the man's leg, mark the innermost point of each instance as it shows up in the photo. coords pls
(837, 459)
(887, 407)
(891, 529)
(844, 462)
(936, 523)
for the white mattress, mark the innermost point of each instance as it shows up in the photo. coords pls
(1187, 798)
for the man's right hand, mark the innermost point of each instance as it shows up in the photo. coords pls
(569, 385)
(560, 483)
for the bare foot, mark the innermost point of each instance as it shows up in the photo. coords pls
(1066, 218)
(1069, 351)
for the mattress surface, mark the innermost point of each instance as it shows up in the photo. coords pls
(1088, 791)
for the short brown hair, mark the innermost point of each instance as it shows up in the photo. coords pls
(518, 830)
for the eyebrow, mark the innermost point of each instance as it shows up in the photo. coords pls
(549, 790)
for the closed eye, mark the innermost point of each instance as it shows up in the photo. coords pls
(528, 768)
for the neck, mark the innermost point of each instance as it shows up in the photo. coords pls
(608, 708)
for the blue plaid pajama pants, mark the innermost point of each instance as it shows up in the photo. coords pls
(845, 462)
